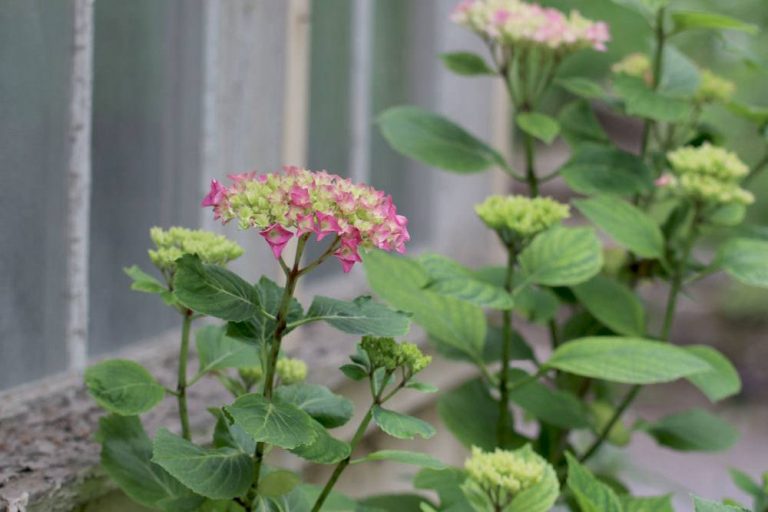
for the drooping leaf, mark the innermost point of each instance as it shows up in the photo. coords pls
(625, 223)
(361, 316)
(613, 304)
(693, 430)
(329, 409)
(400, 425)
(721, 381)
(641, 101)
(580, 125)
(218, 473)
(436, 141)
(353, 371)
(143, 282)
(552, 406)
(261, 327)
(626, 360)
(466, 63)
(562, 257)
(449, 278)
(274, 422)
(746, 260)
(217, 351)
(598, 169)
(403, 457)
(123, 387)
(213, 290)
(541, 126)
(126, 455)
(591, 494)
(690, 20)
(325, 449)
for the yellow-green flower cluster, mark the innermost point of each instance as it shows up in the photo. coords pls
(251, 374)
(714, 88)
(175, 242)
(387, 353)
(291, 371)
(504, 471)
(523, 216)
(634, 64)
(709, 174)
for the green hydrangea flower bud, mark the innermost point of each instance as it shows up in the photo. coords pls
(523, 216)
(251, 374)
(634, 64)
(291, 371)
(709, 174)
(382, 352)
(504, 474)
(175, 242)
(714, 88)
(412, 357)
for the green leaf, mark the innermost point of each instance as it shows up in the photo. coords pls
(746, 260)
(273, 422)
(126, 456)
(602, 414)
(470, 400)
(123, 387)
(403, 457)
(329, 409)
(540, 497)
(551, 406)
(361, 316)
(336, 502)
(541, 126)
(325, 449)
(641, 101)
(436, 141)
(580, 125)
(690, 20)
(294, 501)
(744, 482)
(626, 360)
(421, 386)
(702, 505)
(536, 304)
(466, 63)
(401, 426)
(591, 494)
(218, 473)
(447, 483)
(393, 503)
(721, 381)
(562, 257)
(400, 282)
(626, 224)
(354, 371)
(213, 290)
(277, 483)
(229, 435)
(260, 328)
(613, 304)
(451, 279)
(605, 170)
(217, 351)
(693, 430)
(680, 75)
(582, 87)
(647, 503)
(143, 282)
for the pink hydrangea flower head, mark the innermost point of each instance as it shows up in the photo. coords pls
(297, 202)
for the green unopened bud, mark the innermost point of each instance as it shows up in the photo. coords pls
(382, 352)
(176, 242)
(291, 371)
(523, 216)
(634, 64)
(709, 174)
(412, 357)
(504, 474)
(714, 88)
(251, 374)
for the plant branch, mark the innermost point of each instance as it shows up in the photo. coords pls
(658, 60)
(503, 425)
(181, 382)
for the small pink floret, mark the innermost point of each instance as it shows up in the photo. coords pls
(277, 237)
(347, 254)
(326, 225)
(215, 195)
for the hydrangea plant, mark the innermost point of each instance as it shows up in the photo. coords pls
(655, 207)
(273, 408)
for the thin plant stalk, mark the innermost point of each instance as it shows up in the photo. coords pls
(181, 383)
(658, 60)
(503, 425)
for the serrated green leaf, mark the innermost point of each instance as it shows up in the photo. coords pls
(721, 381)
(693, 430)
(625, 223)
(466, 63)
(213, 290)
(647, 503)
(403, 457)
(541, 126)
(143, 282)
(123, 387)
(690, 20)
(324, 449)
(436, 141)
(591, 494)
(218, 473)
(228, 435)
(562, 257)
(449, 278)
(552, 406)
(626, 360)
(361, 316)
(597, 169)
(273, 422)
(746, 260)
(261, 327)
(217, 351)
(613, 304)
(400, 425)
(329, 409)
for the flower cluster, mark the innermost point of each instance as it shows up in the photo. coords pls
(291, 371)
(504, 472)
(709, 174)
(251, 374)
(635, 64)
(714, 88)
(387, 353)
(514, 22)
(299, 202)
(523, 216)
(175, 242)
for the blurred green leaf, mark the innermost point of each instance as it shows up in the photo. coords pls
(693, 430)
(746, 260)
(591, 494)
(721, 381)
(606, 170)
(400, 425)
(466, 63)
(541, 126)
(690, 20)
(613, 304)
(403, 457)
(580, 125)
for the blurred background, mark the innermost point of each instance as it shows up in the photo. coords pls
(182, 91)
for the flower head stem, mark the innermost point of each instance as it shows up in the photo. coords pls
(658, 60)
(503, 425)
(181, 384)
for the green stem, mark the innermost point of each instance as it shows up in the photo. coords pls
(503, 425)
(530, 165)
(756, 170)
(658, 60)
(181, 382)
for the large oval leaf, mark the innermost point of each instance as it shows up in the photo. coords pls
(404, 457)
(325, 449)
(721, 381)
(274, 422)
(605, 170)
(693, 430)
(562, 257)
(436, 141)
(216, 350)
(627, 360)
(745, 260)
(329, 409)
(360, 316)
(123, 387)
(613, 304)
(450, 278)
(689, 20)
(401, 426)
